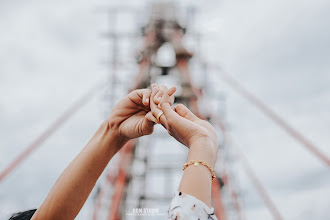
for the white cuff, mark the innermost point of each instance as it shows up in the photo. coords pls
(184, 206)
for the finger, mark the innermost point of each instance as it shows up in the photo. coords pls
(149, 116)
(176, 124)
(185, 112)
(172, 97)
(171, 90)
(155, 111)
(154, 85)
(138, 95)
(166, 103)
(159, 94)
(154, 88)
(146, 97)
(154, 91)
(162, 119)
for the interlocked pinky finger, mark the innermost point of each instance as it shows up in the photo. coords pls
(149, 116)
(159, 94)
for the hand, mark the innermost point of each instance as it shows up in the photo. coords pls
(131, 117)
(157, 93)
(127, 118)
(182, 124)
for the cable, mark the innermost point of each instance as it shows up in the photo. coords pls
(250, 173)
(275, 117)
(51, 129)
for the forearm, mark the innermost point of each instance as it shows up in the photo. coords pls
(73, 187)
(197, 181)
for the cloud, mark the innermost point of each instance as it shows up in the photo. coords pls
(50, 54)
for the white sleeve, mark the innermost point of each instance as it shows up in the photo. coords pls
(187, 207)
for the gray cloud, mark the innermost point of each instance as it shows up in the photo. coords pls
(50, 54)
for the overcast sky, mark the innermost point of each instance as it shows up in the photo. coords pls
(52, 52)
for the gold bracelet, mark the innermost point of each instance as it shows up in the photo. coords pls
(196, 163)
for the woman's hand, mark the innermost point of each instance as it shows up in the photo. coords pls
(182, 124)
(199, 136)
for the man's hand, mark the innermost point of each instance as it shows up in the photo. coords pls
(131, 117)
(127, 119)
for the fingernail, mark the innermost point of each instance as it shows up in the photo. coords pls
(147, 100)
(154, 86)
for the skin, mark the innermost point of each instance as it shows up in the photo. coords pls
(133, 117)
(198, 135)
(128, 120)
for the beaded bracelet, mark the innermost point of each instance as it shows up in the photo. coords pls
(197, 162)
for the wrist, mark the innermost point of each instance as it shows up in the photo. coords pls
(110, 137)
(204, 142)
(113, 123)
(206, 150)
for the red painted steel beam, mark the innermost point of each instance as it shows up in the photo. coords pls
(120, 183)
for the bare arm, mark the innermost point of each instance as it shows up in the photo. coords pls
(199, 136)
(129, 119)
(73, 187)
(197, 181)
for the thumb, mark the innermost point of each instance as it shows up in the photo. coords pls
(185, 112)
